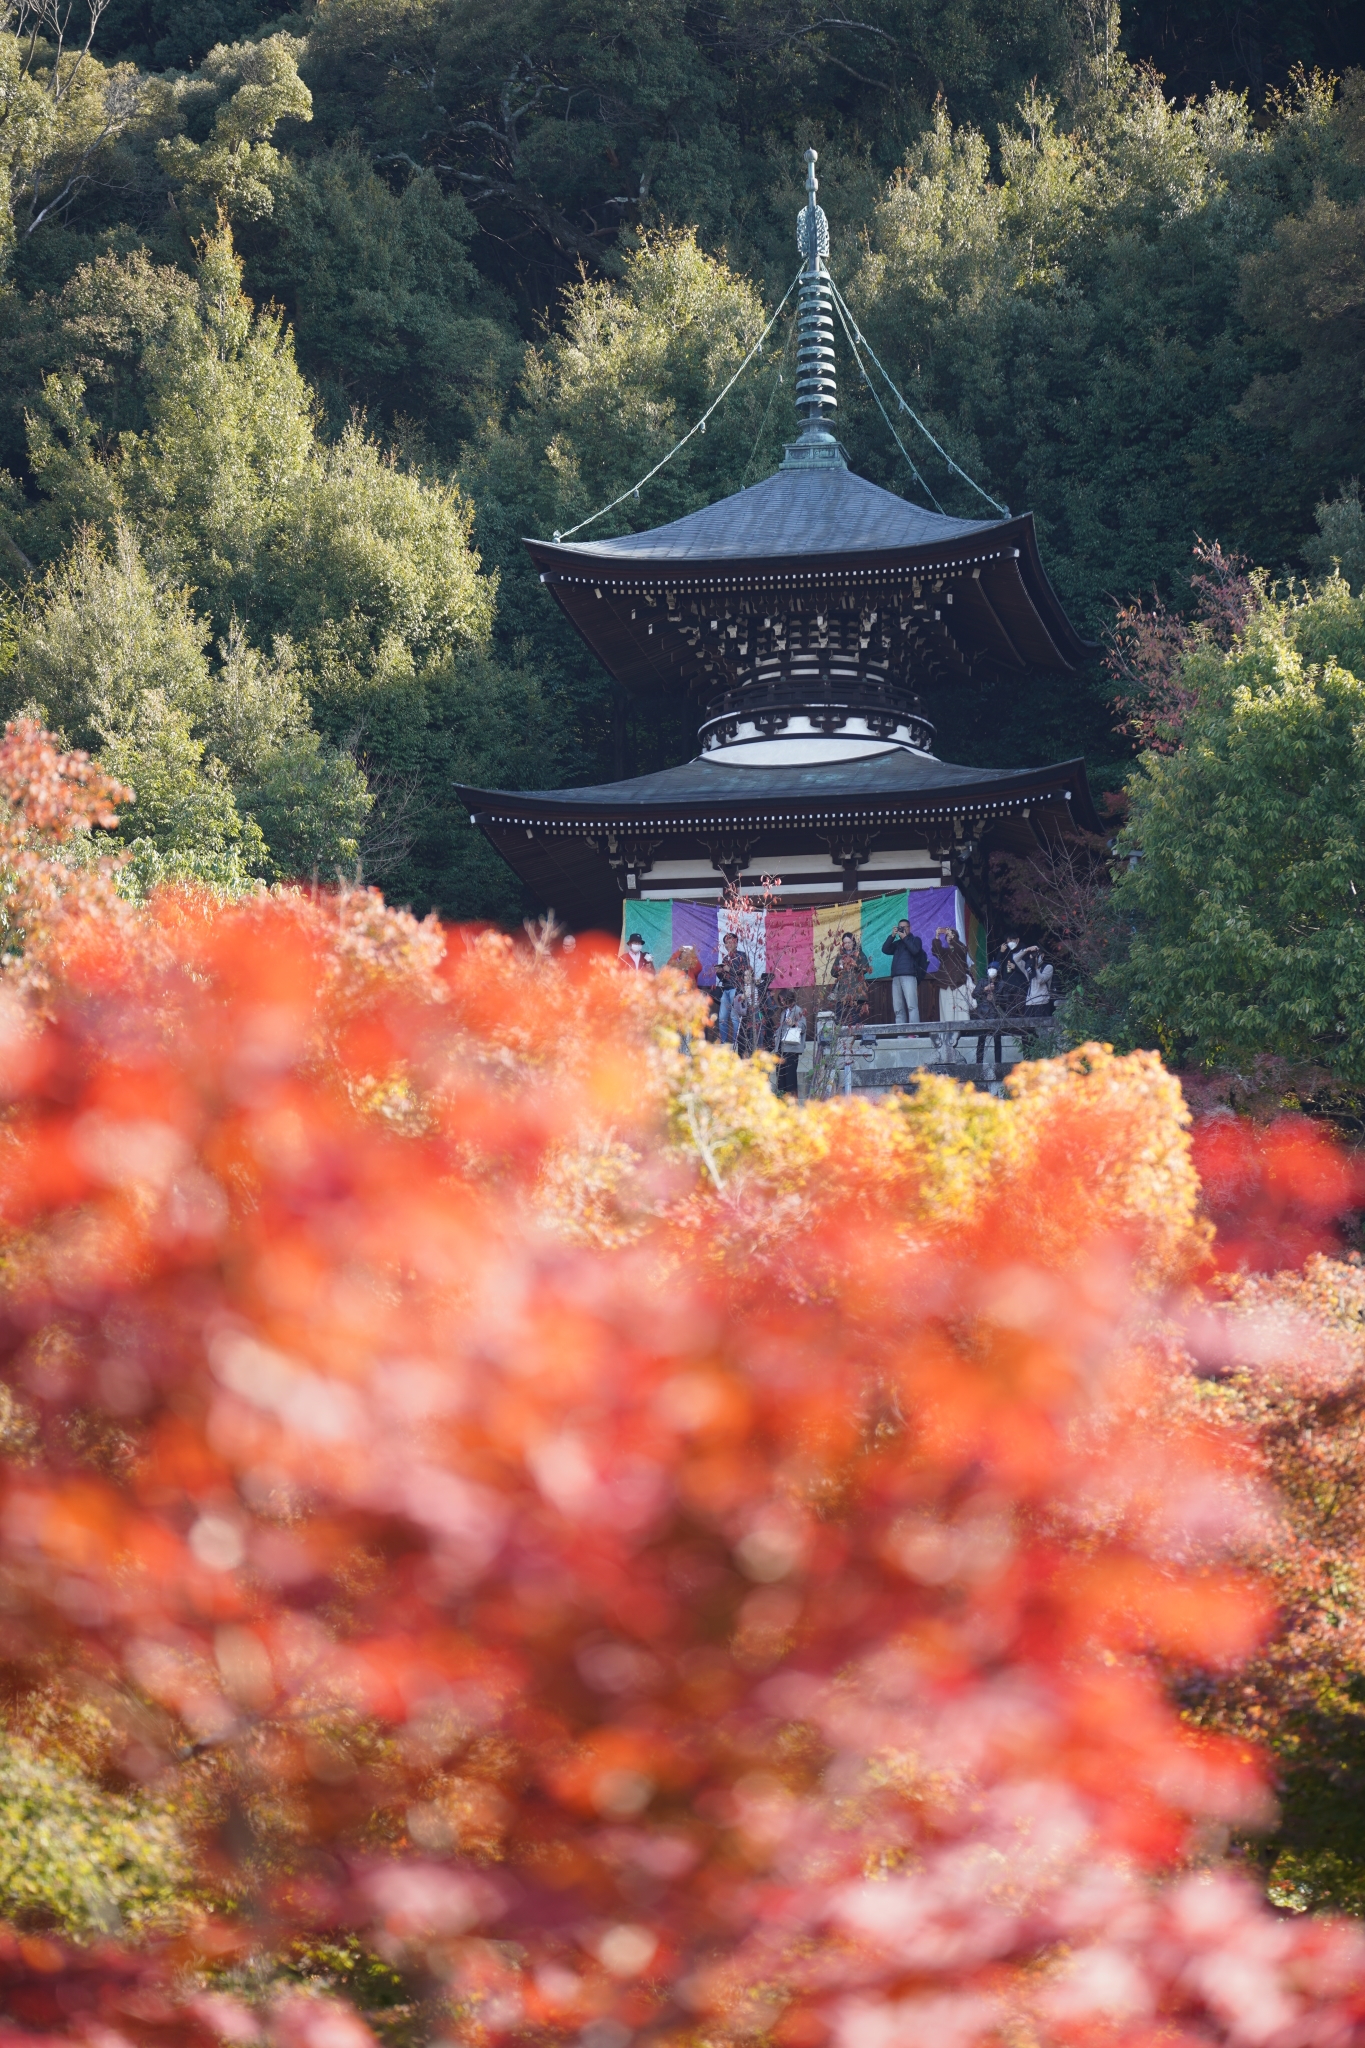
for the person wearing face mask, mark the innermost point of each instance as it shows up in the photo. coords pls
(637, 961)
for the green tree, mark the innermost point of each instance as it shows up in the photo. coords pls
(234, 170)
(567, 121)
(1246, 887)
(230, 777)
(117, 665)
(469, 718)
(178, 34)
(362, 560)
(309, 799)
(1340, 540)
(390, 314)
(1069, 325)
(356, 563)
(98, 329)
(1305, 294)
(229, 445)
(637, 363)
(65, 117)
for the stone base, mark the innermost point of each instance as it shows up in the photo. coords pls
(893, 1064)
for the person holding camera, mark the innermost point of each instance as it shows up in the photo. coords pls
(732, 972)
(909, 965)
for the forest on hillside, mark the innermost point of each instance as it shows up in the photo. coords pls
(514, 1533)
(309, 316)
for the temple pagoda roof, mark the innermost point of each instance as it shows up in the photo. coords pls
(897, 781)
(801, 616)
(976, 590)
(792, 513)
(566, 843)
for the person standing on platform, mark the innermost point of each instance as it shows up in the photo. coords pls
(852, 972)
(953, 976)
(790, 1040)
(732, 971)
(1012, 977)
(637, 961)
(909, 966)
(988, 1011)
(1039, 1002)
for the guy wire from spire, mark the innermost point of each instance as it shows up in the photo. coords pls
(876, 400)
(762, 425)
(957, 470)
(699, 428)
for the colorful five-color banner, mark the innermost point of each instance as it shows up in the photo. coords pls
(798, 946)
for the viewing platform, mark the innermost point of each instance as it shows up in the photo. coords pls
(877, 1059)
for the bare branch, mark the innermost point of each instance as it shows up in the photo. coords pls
(868, 28)
(881, 84)
(83, 174)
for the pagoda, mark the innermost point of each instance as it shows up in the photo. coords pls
(801, 617)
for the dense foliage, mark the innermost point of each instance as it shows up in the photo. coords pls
(1235, 906)
(509, 1529)
(309, 317)
(531, 1533)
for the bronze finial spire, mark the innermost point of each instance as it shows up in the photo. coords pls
(815, 388)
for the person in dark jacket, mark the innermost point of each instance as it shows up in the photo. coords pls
(732, 971)
(988, 1011)
(909, 965)
(1011, 978)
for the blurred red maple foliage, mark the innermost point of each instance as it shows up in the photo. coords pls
(50, 802)
(700, 1632)
(1275, 1194)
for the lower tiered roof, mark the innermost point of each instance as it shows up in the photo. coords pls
(570, 846)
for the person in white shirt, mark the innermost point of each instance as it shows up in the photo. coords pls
(791, 1040)
(636, 958)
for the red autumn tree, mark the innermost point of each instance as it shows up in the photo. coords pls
(634, 1636)
(1149, 644)
(50, 803)
(735, 1605)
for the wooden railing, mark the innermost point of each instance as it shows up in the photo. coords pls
(837, 1048)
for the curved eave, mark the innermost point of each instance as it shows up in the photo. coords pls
(1061, 788)
(1005, 609)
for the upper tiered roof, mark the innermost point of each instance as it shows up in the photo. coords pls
(793, 514)
(974, 593)
(741, 595)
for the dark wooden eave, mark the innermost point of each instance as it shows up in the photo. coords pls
(566, 844)
(975, 591)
